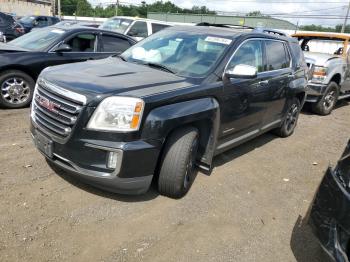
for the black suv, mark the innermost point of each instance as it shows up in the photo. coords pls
(166, 105)
(31, 21)
(9, 28)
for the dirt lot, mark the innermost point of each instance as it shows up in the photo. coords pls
(249, 209)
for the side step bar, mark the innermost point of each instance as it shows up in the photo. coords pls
(344, 96)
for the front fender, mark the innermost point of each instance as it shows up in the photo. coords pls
(162, 120)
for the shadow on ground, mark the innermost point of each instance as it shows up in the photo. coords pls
(304, 244)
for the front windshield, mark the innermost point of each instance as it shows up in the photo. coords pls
(325, 46)
(188, 54)
(27, 19)
(38, 40)
(116, 24)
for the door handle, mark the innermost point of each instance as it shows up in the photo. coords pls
(263, 83)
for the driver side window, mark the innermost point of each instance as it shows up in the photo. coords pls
(138, 29)
(250, 53)
(82, 43)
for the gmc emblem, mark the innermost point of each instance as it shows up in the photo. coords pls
(46, 103)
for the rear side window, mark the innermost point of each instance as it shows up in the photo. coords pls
(158, 27)
(298, 54)
(114, 44)
(277, 55)
(138, 29)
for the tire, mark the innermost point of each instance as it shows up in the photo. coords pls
(177, 170)
(16, 89)
(290, 122)
(327, 102)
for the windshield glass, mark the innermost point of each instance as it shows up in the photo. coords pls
(185, 53)
(325, 46)
(27, 19)
(39, 39)
(116, 24)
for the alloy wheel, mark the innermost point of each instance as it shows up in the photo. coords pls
(15, 90)
(292, 117)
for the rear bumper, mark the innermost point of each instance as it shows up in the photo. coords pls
(330, 217)
(87, 160)
(315, 92)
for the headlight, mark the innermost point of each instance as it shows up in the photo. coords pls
(117, 114)
(320, 72)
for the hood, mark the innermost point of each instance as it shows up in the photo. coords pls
(320, 59)
(112, 76)
(8, 48)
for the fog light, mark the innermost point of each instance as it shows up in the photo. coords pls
(112, 160)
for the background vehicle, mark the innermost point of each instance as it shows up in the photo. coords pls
(71, 23)
(330, 213)
(331, 75)
(32, 21)
(138, 28)
(171, 102)
(22, 60)
(9, 28)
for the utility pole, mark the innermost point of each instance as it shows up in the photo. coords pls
(346, 19)
(59, 8)
(116, 8)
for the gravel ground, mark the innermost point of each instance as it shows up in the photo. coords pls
(249, 209)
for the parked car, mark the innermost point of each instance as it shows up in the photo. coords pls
(71, 23)
(139, 28)
(9, 28)
(32, 21)
(167, 104)
(22, 59)
(330, 213)
(331, 75)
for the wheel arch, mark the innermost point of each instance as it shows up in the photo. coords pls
(23, 69)
(336, 78)
(204, 114)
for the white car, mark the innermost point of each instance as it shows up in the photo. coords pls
(137, 28)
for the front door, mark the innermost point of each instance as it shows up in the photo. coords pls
(245, 100)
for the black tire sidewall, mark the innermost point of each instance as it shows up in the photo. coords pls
(319, 106)
(12, 73)
(284, 132)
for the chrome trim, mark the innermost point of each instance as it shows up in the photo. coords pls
(63, 92)
(228, 143)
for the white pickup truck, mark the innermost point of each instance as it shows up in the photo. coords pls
(329, 57)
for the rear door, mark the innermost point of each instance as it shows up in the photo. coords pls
(110, 44)
(279, 73)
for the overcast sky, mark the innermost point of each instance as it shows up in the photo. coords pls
(284, 7)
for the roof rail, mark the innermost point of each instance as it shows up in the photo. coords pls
(269, 31)
(225, 25)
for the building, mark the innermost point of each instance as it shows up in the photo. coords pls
(224, 19)
(26, 7)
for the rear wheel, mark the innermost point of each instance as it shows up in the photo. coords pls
(16, 89)
(291, 119)
(177, 171)
(326, 104)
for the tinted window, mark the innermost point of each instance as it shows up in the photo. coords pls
(299, 56)
(114, 44)
(158, 27)
(42, 21)
(277, 57)
(82, 43)
(250, 53)
(138, 29)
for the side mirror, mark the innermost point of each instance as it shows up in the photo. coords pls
(62, 48)
(242, 71)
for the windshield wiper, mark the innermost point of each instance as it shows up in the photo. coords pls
(160, 66)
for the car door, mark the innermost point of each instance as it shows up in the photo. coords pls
(279, 74)
(83, 47)
(110, 44)
(244, 100)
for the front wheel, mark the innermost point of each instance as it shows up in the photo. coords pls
(326, 104)
(16, 89)
(291, 119)
(177, 170)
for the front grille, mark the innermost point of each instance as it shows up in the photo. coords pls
(54, 110)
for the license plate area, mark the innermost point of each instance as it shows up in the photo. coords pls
(44, 144)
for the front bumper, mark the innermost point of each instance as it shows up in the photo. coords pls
(330, 217)
(86, 159)
(315, 92)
